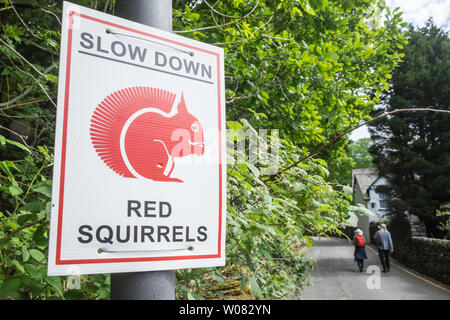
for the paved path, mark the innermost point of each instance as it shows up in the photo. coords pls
(336, 277)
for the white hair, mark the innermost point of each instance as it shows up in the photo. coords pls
(359, 232)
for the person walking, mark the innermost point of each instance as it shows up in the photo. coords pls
(383, 240)
(360, 249)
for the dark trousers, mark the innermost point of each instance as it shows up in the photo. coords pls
(360, 263)
(384, 258)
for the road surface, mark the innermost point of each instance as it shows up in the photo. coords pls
(336, 277)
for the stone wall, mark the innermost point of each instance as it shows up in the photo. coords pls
(428, 256)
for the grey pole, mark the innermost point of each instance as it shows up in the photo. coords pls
(154, 13)
(152, 285)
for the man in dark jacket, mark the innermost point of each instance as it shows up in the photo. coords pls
(384, 244)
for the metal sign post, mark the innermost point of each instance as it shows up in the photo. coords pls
(153, 285)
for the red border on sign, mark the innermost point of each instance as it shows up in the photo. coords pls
(64, 146)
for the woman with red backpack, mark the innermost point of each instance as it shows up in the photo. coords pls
(360, 248)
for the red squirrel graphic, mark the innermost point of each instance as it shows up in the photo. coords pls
(138, 132)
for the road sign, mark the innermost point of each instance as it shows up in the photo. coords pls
(139, 173)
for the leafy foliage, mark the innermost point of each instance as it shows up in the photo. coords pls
(309, 68)
(24, 225)
(357, 156)
(412, 149)
(444, 211)
(29, 51)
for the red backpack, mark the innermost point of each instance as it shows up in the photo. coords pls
(359, 241)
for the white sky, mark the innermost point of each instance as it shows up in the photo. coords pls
(416, 12)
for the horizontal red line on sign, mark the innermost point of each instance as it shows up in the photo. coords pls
(140, 259)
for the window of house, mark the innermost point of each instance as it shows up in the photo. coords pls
(383, 204)
(372, 205)
(382, 196)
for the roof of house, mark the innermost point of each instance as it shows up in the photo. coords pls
(364, 177)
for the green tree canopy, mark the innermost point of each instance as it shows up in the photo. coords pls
(413, 149)
(359, 151)
(357, 157)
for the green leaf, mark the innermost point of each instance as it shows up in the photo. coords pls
(5, 165)
(46, 190)
(37, 255)
(74, 294)
(299, 187)
(307, 7)
(39, 234)
(243, 282)
(347, 190)
(256, 290)
(55, 282)
(23, 218)
(324, 171)
(218, 277)
(299, 234)
(36, 287)
(360, 209)
(18, 265)
(19, 145)
(32, 271)
(51, 77)
(234, 125)
(190, 296)
(249, 262)
(266, 254)
(253, 169)
(11, 288)
(309, 241)
(34, 206)
(15, 190)
(296, 12)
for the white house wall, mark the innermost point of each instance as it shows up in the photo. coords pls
(375, 200)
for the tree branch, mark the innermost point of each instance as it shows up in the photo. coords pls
(18, 182)
(219, 13)
(223, 25)
(336, 138)
(53, 14)
(21, 20)
(36, 100)
(40, 85)
(26, 92)
(22, 57)
(34, 44)
(22, 137)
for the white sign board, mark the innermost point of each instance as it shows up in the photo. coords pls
(139, 173)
